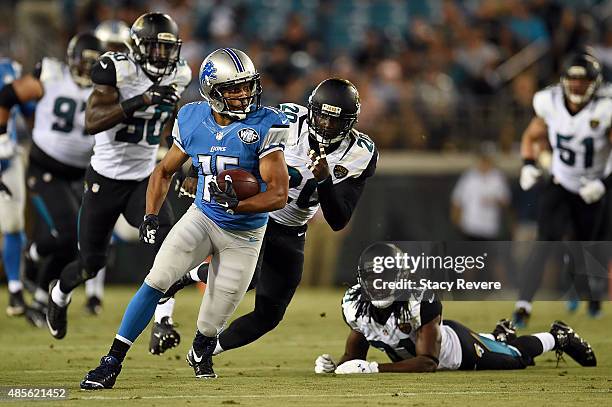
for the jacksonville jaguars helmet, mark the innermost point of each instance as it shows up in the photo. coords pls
(83, 52)
(114, 34)
(585, 67)
(155, 43)
(373, 270)
(230, 83)
(333, 109)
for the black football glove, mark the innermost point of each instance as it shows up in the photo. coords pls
(227, 199)
(5, 192)
(161, 95)
(148, 228)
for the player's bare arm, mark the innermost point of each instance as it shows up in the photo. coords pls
(429, 340)
(103, 109)
(160, 179)
(273, 171)
(534, 134)
(21, 90)
(356, 347)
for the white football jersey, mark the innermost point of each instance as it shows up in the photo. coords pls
(580, 143)
(59, 126)
(349, 160)
(399, 344)
(128, 150)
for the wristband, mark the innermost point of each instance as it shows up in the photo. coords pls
(529, 161)
(193, 172)
(130, 105)
(2, 128)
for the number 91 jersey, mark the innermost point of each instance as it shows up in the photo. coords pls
(59, 126)
(580, 142)
(350, 159)
(128, 150)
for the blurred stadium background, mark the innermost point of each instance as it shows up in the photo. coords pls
(442, 82)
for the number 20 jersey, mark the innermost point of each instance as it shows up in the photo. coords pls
(59, 126)
(349, 160)
(580, 143)
(128, 150)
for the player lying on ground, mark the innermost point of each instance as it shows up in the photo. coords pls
(228, 129)
(329, 162)
(416, 339)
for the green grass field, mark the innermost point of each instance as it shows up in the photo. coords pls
(278, 369)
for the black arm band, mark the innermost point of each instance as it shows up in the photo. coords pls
(529, 161)
(3, 128)
(8, 97)
(607, 181)
(129, 106)
(193, 172)
(432, 358)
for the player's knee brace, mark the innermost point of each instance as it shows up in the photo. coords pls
(269, 313)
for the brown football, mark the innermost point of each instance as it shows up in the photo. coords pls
(245, 184)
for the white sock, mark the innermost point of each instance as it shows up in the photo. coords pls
(164, 310)
(41, 296)
(15, 286)
(94, 287)
(34, 253)
(548, 341)
(59, 297)
(218, 348)
(523, 304)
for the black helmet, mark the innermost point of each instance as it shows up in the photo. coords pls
(83, 52)
(155, 43)
(333, 108)
(581, 66)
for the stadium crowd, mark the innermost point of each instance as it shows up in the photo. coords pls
(427, 71)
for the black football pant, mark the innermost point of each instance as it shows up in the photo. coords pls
(480, 353)
(55, 190)
(104, 199)
(561, 213)
(278, 273)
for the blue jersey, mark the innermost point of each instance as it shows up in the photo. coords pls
(214, 148)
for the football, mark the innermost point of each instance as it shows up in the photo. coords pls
(245, 184)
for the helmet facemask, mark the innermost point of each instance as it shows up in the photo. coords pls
(80, 66)
(581, 78)
(237, 98)
(577, 98)
(327, 124)
(157, 56)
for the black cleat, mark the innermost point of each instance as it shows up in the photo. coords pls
(520, 317)
(504, 331)
(93, 305)
(183, 282)
(36, 314)
(16, 304)
(103, 376)
(568, 341)
(200, 356)
(57, 321)
(163, 337)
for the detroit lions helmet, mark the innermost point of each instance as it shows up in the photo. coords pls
(333, 109)
(227, 77)
(155, 43)
(587, 69)
(114, 34)
(83, 52)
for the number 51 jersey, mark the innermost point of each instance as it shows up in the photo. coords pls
(128, 150)
(580, 143)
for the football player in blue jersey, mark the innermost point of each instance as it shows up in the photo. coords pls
(12, 186)
(230, 129)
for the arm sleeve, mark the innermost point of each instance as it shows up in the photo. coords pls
(104, 73)
(430, 310)
(176, 136)
(275, 140)
(338, 201)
